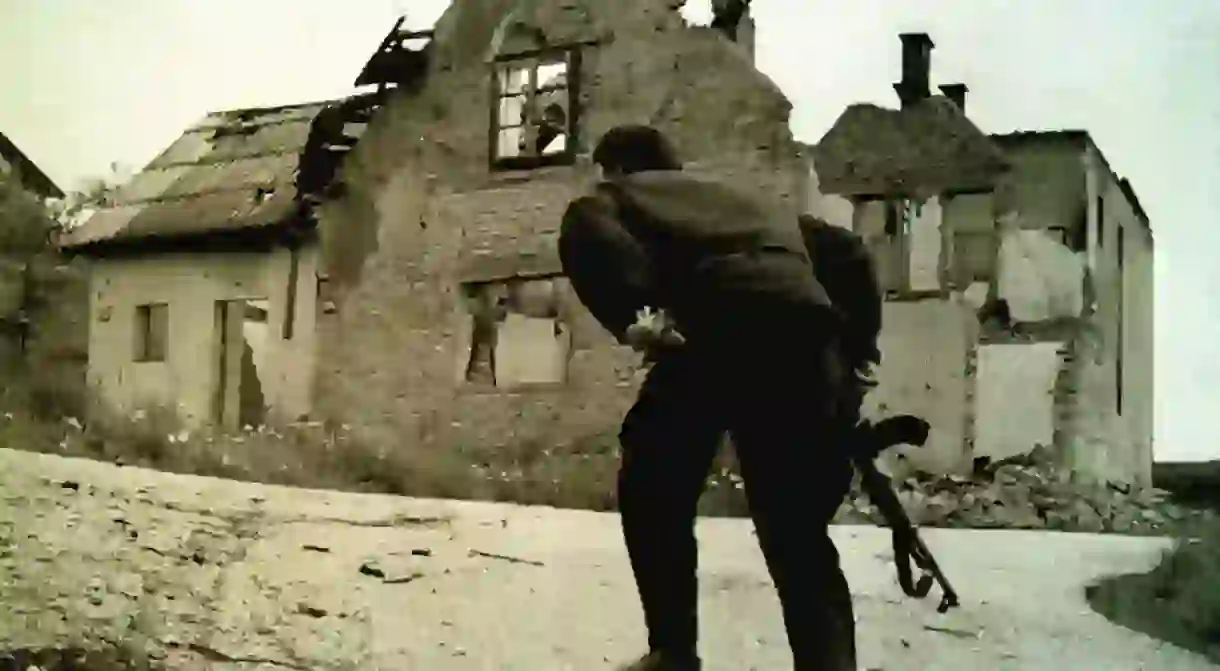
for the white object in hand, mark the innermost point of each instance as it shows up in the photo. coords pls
(652, 327)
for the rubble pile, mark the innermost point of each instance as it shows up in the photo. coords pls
(1025, 492)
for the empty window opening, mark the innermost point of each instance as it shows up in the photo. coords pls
(151, 332)
(1101, 222)
(533, 120)
(517, 337)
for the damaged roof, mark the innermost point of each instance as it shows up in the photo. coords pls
(234, 170)
(928, 147)
(32, 176)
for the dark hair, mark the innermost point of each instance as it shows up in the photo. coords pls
(635, 149)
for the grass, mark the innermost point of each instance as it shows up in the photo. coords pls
(1178, 601)
(41, 414)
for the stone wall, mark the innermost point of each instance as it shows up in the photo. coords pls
(425, 217)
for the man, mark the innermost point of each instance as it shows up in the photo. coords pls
(760, 359)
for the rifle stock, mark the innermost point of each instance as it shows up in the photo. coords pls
(872, 439)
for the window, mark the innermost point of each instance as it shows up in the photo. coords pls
(151, 332)
(516, 336)
(533, 119)
(1101, 222)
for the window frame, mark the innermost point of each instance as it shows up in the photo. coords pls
(145, 323)
(571, 55)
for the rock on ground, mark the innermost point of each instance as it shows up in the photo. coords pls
(184, 572)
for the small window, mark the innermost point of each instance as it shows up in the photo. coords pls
(1101, 222)
(517, 336)
(533, 117)
(151, 332)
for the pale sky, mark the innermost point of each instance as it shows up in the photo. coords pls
(90, 82)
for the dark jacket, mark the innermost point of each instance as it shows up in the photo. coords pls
(845, 267)
(702, 249)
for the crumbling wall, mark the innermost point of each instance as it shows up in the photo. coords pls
(1038, 277)
(926, 348)
(832, 208)
(1112, 420)
(437, 220)
(1015, 398)
(190, 284)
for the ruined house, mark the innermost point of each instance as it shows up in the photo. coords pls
(453, 328)
(203, 278)
(1018, 272)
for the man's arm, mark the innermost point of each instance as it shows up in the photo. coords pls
(844, 266)
(608, 269)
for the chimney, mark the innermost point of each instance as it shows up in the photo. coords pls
(956, 93)
(916, 64)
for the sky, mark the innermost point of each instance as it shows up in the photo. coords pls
(117, 81)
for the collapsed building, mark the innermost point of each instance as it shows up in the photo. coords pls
(269, 266)
(1018, 277)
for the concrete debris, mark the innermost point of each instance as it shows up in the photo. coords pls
(1025, 492)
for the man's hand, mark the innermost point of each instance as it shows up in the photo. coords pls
(652, 333)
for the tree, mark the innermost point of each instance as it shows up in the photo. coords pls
(27, 224)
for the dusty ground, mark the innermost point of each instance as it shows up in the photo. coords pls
(209, 574)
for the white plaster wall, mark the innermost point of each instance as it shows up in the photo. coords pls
(1015, 398)
(924, 347)
(925, 247)
(191, 284)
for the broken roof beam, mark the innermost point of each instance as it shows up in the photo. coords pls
(395, 61)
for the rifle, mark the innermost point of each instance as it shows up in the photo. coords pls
(870, 441)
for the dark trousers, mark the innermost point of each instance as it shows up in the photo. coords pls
(772, 399)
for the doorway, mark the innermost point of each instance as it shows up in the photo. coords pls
(241, 352)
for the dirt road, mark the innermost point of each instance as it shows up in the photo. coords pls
(208, 574)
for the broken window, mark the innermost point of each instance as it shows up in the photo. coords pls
(151, 332)
(517, 337)
(533, 121)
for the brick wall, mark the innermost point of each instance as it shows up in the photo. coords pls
(424, 214)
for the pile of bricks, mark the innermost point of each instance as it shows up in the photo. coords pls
(1027, 492)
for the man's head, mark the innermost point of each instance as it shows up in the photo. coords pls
(624, 150)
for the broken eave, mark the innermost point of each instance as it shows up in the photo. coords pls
(290, 231)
